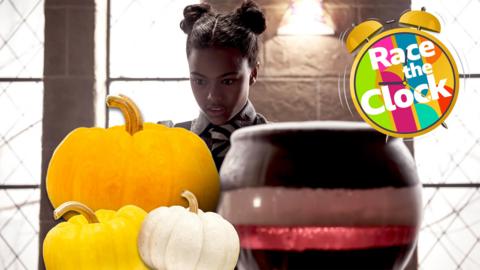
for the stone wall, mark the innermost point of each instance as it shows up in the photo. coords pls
(299, 75)
(74, 76)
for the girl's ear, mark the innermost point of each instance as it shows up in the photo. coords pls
(253, 74)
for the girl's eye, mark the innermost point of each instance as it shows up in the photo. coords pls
(198, 81)
(228, 81)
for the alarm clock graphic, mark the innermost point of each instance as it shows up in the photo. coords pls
(404, 81)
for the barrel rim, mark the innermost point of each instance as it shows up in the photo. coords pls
(299, 127)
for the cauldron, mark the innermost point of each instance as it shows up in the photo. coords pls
(320, 195)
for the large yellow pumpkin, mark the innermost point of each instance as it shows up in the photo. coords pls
(144, 164)
(102, 240)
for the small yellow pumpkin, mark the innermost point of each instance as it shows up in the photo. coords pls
(102, 240)
(188, 239)
(143, 164)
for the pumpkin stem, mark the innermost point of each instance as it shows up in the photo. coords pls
(76, 207)
(192, 201)
(130, 111)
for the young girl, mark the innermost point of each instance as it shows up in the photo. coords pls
(222, 51)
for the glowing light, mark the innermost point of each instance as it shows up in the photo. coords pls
(305, 17)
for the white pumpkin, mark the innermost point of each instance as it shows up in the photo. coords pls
(177, 238)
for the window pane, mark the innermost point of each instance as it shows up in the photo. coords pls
(20, 131)
(146, 40)
(453, 155)
(19, 211)
(157, 101)
(459, 21)
(21, 38)
(450, 235)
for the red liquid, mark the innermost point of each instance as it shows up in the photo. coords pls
(310, 247)
(299, 238)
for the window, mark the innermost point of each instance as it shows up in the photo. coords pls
(148, 59)
(449, 159)
(21, 101)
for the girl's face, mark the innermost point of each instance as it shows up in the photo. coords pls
(220, 80)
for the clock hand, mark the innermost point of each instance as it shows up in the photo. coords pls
(408, 85)
(413, 89)
(404, 83)
(390, 83)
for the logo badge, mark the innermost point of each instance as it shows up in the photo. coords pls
(404, 82)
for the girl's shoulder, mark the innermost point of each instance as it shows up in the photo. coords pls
(169, 123)
(186, 125)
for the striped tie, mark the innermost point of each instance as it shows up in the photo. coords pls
(220, 136)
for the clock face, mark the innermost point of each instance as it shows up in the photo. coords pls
(404, 82)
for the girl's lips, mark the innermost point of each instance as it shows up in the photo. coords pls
(215, 110)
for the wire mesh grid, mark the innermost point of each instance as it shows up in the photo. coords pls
(21, 100)
(448, 160)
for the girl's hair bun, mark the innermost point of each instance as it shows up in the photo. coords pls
(191, 14)
(251, 17)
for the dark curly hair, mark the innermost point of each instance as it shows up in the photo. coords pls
(239, 29)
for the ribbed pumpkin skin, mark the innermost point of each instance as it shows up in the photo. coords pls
(110, 244)
(109, 168)
(173, 238)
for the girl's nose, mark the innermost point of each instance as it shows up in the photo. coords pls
(214, 94)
